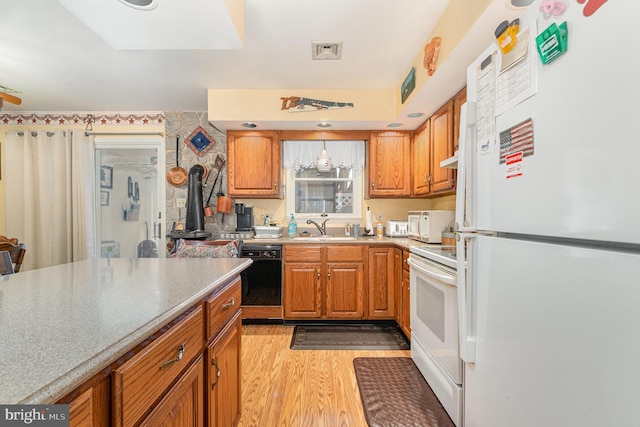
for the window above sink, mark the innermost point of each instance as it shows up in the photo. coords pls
(336, 192)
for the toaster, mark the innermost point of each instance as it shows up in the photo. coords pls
(397, 228)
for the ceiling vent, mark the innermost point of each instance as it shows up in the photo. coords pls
(326, 50)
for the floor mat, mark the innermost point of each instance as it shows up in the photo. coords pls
(394, 393)
(348, 337)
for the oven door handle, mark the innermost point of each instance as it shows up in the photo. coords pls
(444, 278)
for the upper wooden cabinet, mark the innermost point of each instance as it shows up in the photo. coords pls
(458, 100)
(441, 149)
(389, 164)
(253, 164)
(432, 143)
(421, 156)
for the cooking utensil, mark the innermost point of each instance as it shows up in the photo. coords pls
(177, 176)
(147, 248)
(208, 210)
(224, 203)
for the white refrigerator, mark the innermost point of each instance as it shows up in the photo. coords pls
(549, 249)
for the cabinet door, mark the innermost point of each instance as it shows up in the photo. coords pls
(458, 100)
(399, 285)
(91, 408)
(442, 148)
(183, 405)
(381, 301)
(421, 159)
(389, 164)
(302, 290)
(253, 164)
(344, 299)
(224, 375)
(406, 299)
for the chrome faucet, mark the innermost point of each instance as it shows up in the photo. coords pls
(322, 228)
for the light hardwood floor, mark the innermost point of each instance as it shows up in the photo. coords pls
(301, 388)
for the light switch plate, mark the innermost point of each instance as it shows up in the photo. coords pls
(181, 202)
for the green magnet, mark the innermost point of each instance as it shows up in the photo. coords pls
(552, 42)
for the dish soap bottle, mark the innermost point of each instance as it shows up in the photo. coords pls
(293, 227)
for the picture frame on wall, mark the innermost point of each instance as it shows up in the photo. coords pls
(104, 198)
(106, 177)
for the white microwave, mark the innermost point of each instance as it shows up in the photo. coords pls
(427, 226)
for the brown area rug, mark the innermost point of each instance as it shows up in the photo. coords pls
(395, 394)
(348, 337)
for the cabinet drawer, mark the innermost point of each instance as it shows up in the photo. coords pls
(142, 380)
(303, 253)
(221, 306)
(345, 253)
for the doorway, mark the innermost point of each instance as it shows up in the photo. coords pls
(130, 197)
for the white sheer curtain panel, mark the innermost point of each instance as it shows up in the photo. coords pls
(303, 154)
(48, 196)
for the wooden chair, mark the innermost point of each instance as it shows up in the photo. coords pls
(16, 251)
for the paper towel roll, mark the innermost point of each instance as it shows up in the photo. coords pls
(368, 223)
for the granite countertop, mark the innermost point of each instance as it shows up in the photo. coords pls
(61, 325)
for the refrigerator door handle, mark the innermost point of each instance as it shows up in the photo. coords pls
(464, 220)
(465, 296)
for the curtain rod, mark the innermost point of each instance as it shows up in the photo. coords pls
(123, 133)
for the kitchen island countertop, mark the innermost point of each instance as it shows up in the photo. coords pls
(61, 325)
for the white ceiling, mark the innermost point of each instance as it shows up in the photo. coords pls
(57, 63)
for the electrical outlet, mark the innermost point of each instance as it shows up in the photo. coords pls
(378, 217)
(181, 202)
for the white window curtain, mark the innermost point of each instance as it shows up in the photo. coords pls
(303, 154)
(49, 202)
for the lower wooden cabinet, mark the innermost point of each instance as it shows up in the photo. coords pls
(187, 374)
(141, 381)
(381, 300)
(183, 404)
(91, 407)
(324, 281)
(223, 375)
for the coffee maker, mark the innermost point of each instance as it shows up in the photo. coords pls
(244, 217)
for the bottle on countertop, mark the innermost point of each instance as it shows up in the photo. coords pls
(347, 230)
(379, 230)
(293, 227)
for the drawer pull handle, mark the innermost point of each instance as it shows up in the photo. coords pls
(231, 303)
(177, 358)
(213, 362)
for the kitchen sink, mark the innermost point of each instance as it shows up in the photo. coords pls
(324, 239)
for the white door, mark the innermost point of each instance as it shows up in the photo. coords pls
(556, 333)
(130, 200)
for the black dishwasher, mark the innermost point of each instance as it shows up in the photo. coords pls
(262, 281)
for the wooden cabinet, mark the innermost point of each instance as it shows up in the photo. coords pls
(253, 164)
(404, 303)
(165, 380)
(381, 295)
(139, 382)
(91, 407)
(459, 99)
(183, 404)
(432, 143)
(224, 375)
(389, 164)
(323, 281)
(442, 148)
(401, 271)
(421, 160)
